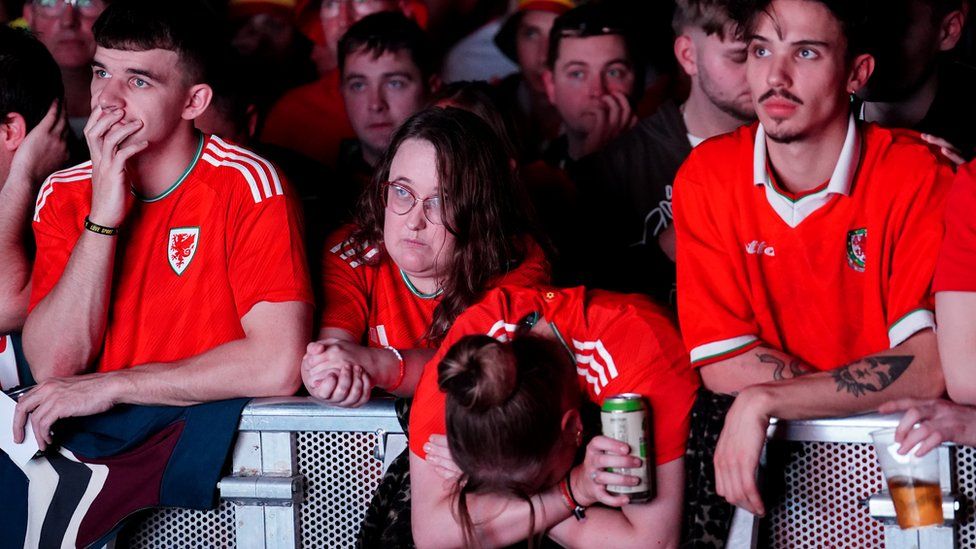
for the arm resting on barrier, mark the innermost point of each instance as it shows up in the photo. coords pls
(263, 363)
(910, 369)
(956, 314)
(653, 524)
(755, 366)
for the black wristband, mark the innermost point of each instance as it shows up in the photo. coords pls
(579, 511)
(99, 229)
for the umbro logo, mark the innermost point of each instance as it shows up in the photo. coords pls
(757, 247)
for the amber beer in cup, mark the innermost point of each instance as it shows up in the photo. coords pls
(913, 482)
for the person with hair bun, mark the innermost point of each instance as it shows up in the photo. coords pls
(498, 449)
(443, 221)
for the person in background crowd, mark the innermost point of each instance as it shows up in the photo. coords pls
(264, 34)
(65, 27)
(387, 72)
(478, 97)
(32, 145)
(524, 38)
(311, 119)
(442, 221)
(475, 56)
(593, 78)
(804, 250)
(916, 83)
(939, 421)
(636, 171)
(206, 226)
(507, 400)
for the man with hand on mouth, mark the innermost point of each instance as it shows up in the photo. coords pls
(170, 269)
(806, 245)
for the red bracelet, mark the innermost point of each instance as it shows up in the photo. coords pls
(403, 370)
(578, 510)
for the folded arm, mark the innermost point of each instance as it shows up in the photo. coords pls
(263, 363)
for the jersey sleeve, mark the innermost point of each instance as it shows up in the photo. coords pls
(345, 285)
(716, 317)
(956, 267)
(915, 230)
(641, 352)
(429, 403)
(55, 225)
(266, 252)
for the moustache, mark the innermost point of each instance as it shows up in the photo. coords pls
(780, 93)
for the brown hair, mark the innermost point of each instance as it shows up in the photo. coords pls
(480, 98)
(504, 409)
(712, 16)
(484, 206)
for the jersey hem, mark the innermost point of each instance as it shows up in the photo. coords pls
(720, 350)
(909, 325)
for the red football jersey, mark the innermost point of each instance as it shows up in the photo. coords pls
(829, 277)
(375, 298)
(956, 270)
(190, 262)
(621, 344)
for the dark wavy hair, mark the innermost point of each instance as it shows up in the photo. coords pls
(485, 208)
(504, 409)
(852, 15)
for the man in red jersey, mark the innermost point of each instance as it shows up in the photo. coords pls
(170, 270)
(806, 243)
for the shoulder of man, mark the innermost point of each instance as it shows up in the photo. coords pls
(239, 171)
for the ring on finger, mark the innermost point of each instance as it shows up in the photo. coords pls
(593, 475)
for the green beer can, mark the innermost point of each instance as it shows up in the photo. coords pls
(625, 418)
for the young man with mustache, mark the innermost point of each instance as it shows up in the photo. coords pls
(805, 245)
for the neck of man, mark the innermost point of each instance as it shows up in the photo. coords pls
(805, 164)
(77, 91)
(908, 112)
(154, 170)
(703, 118)
(370, 155)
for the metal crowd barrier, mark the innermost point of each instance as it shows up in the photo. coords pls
(303, 474)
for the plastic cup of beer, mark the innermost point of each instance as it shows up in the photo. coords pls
(913, 482)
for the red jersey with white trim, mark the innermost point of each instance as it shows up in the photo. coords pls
(622, 343)
(956, 270)
(830, 277)
(375, 299)
(189, 263)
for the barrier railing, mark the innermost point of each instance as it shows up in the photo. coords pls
(303, 474)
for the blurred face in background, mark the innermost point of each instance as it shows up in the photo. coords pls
(64, 27)
(532, 46)
(720, 66)
(338, 15)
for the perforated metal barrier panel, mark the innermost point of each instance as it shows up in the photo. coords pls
(819, 490)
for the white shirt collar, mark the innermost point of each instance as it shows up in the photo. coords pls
(841, 180)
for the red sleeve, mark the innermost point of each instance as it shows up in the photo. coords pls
(917, 229)
(533, 271)
(716, 316)
(639, 350)
(266, 252)
(956, 267)
(345, 286)
(57, 225)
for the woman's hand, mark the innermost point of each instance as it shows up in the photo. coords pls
(439, 456)
(589, 479)
(337, 372)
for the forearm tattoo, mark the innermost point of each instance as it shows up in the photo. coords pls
(781, 370)
(872, 374)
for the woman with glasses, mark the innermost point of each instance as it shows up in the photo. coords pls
(443, 221)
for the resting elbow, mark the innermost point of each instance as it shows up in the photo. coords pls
(933, 385)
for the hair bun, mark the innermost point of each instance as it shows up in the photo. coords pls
(478, 372)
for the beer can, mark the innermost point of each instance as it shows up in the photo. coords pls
(625, 418)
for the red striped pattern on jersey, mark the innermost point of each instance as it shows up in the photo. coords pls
(260, 175)
(594, 364)
(77, 173)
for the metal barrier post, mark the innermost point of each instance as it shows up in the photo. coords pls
(266, 488)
